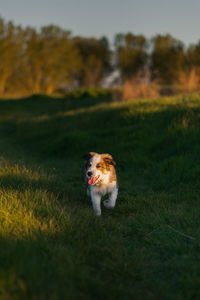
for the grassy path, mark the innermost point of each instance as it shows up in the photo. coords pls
(51, 244)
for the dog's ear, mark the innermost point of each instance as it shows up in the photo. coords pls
(88, 155)
(108, 159)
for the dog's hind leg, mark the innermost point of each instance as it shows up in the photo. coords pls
(110, 203)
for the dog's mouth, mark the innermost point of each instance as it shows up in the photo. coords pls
(93, 180)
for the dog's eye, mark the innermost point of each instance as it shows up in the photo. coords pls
(98, 166)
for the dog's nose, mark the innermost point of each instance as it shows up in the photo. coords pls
(89, 173)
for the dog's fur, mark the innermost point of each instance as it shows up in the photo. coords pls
(101, 179)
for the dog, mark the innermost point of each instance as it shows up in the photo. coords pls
(100, 179)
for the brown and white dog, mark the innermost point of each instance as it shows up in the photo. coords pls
(101, 179)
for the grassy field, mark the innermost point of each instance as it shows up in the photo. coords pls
(52, 246)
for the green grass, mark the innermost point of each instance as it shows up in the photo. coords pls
(52, 246)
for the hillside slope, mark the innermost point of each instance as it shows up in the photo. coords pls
(51, 244)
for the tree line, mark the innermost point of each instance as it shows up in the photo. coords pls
(51, 59)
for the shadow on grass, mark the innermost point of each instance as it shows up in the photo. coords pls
(41, 104)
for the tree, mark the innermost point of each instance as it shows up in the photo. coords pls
(61, 58)
(193, 56)
(9, 52)
(50, 59)
(131, 53)
(95, 56)
(167, 59)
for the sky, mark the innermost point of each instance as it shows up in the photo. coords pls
(99, 18)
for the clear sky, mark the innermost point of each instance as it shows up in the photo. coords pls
(181, 18)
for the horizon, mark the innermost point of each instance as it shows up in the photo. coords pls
(139, 17)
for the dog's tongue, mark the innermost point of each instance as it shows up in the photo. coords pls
(93, 180)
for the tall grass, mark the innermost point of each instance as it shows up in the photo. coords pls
(189, 81)
(139, 87)
(142, 86)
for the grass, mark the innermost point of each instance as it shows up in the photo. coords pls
(51, 244)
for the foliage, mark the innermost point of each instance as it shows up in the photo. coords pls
(50, 60)
(193, 56)
(10, 49)
(131, 52)
(95, 56)
(167, 58)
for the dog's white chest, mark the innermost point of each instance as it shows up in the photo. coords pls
(103, 189)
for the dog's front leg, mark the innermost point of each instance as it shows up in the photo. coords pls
(110, 203)
(96, 203)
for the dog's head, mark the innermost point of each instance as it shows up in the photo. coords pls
(97, 167)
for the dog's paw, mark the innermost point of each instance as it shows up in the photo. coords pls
(107, 204)
(98, 213)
